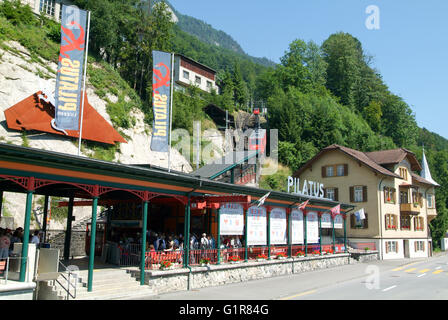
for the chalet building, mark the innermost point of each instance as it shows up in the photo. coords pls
(398, 202)
(51, 8)
(189, 72)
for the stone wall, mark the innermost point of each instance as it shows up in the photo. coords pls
(215, 275)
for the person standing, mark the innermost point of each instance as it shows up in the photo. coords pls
(4, 245)
(35, 239)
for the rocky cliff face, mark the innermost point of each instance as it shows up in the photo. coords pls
(20, 77)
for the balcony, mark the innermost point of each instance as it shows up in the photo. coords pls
(410, 208)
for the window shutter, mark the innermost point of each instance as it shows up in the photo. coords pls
(364, 194)
(336, 194)
(325, 193)
(352, 194)
(352, 221)
(394, 195)
(366, 221)
(345, 169)
(387, 247)
(324, 172)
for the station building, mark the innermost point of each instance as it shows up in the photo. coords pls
(396, 192)
(144, 197)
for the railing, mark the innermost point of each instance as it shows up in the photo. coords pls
(155, 259)
(13, 263)
(363, 245)
(130, 254)
(70, 275)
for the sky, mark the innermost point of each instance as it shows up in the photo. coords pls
(408, 42)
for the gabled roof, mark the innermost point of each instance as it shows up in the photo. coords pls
(355, 154)
(394, 156)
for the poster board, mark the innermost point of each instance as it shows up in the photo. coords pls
(312, 227)
(296, 226)
(256, 226)
(231, 219)
(277, 221)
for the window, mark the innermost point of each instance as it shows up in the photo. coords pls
(335, 170)
(358, 223)
(331, 193)
(389, 195)
(198, 80)
(403, 172)
(404, 197)
(186, 75)
(330, 171)
(430, 200)
(209, 85)
(358, 194)
(391, 222)
(405, 222)
(391, 246)
(419, 246)
(47, 6)
(418, 224)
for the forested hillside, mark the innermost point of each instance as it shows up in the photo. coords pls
(318, 95)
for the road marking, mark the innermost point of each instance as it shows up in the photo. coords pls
(421, 275)
(410, 270)
(387, 289)
(407, 265)
(437, 272)
(299, 295)
(424, 270)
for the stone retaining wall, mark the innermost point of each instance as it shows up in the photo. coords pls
(215, 275)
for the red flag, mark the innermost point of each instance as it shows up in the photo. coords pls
(336, 210)
(303, 205)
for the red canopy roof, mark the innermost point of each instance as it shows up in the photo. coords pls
(33, 113)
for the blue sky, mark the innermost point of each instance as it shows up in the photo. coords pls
(410, 48)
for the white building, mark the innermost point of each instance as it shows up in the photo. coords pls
(189, 72)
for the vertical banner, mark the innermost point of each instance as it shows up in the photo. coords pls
(312, 227)
(256, 226)
(338, 222)
(296, 227)
(231, 219)
(70, 68)
(278, 226)
(325, 221)
(161, 99)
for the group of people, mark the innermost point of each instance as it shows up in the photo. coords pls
(161, 241)
(9, 237)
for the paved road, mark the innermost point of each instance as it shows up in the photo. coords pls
(415, 279)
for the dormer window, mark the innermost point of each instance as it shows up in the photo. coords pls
(403, 172)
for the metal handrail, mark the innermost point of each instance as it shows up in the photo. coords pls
(6, 270)
(69, 282)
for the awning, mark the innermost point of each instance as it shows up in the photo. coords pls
(33, 113)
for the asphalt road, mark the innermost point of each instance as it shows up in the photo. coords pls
(410, 279)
